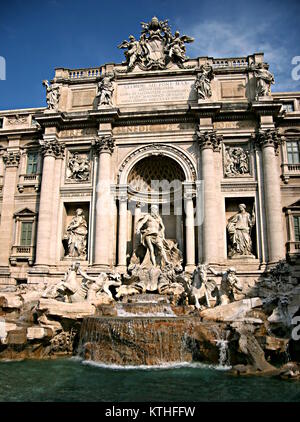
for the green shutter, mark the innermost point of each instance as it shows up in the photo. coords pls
(297, 228)
(32, 163)
(26, 234)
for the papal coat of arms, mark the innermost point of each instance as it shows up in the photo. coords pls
(156, 48)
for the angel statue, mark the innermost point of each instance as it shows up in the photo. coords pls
(52, 95)
(176, 48)
(133, 52)
(202, 84)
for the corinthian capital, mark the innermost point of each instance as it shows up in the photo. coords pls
(268, 137)
(209, 140)
(105, 144)
(52, 147)
(11, 158)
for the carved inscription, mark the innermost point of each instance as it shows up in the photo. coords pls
(156, 92)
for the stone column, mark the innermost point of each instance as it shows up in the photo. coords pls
(179, 231)
(51, 149)
(269, 141)
(189, 229)
(122, 234)
(103, 209)
(11, 160)
(209, 143)
(56, 237)
(137, 216)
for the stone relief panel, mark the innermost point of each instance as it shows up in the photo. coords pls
(233, 89)
(78, 167)
(236, 161)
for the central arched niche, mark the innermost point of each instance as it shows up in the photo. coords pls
(153, 168)
(140, 179)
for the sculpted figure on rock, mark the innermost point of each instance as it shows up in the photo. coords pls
(230, 285)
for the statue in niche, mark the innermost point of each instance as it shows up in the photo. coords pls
(230, 285)
(203, 82)
(152, 230)
(52, 95)
(264, 79)
(236, 161)
(239, 228)
(105, 90)
(76, 236)
(78, 168)
(156, 261)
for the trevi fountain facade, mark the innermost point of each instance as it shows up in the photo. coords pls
(151, 213)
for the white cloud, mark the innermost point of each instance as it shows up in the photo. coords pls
(220, 39)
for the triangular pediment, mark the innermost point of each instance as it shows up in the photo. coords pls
(25, 212)
(294, 206)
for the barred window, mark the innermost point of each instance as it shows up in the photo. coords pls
(288, 107)
(26, 234)
(297, 228)
(32, 159)
(293, 152)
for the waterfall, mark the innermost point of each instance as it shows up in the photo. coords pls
(223, 353)
(222, 344)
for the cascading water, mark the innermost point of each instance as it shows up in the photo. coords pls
(146, 331)
(222, 343)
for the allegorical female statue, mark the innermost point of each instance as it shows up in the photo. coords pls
(239, 229)
(76, 235)
(105, 90)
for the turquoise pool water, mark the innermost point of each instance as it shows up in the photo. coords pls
(70, 380)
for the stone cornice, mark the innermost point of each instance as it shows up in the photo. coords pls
(268, 108)
(209, 140)
(104, 144)
(52, 148)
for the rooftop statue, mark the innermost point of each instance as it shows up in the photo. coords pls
(264, 80)
(52, 95)
(105, 90)
(156, 48)
(202, 84)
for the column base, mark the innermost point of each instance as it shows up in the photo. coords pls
(189, 268)
(100, 268)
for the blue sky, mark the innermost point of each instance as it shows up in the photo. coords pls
(38, 35)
